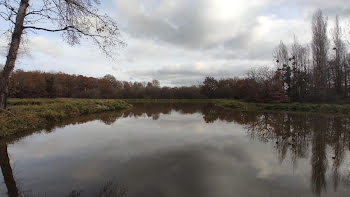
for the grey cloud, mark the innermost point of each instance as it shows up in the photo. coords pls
(195, 24)
(162, 24)
(191, 24)
(323, 4)
(192, 74)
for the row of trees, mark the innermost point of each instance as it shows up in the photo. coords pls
(50, 85)
(258, 86)
(317, 71)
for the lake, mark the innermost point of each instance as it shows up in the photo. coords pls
(182, 150)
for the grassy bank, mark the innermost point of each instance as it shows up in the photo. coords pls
(289, 107)
(34, 114)
(170, 100)
(245, 106)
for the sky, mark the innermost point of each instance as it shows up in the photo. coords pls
(179, 42)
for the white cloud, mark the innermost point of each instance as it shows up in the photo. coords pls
(42, 45)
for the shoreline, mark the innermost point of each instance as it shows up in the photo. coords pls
(248, 106)
(35, 114)
(286, 107)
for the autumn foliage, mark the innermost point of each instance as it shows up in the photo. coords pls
(36, 84)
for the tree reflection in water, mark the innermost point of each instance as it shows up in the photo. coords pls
(296, 134)
(292, 133)
(109, 189)
(6, 170)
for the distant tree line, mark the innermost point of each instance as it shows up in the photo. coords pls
(315, 72)
(36, 84)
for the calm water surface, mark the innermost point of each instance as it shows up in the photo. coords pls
(182, 150)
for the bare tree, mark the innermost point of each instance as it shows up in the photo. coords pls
(300, 70)
(346, 74)
(74, 19)
(260, 74)
(155, 83)
(281, 55)
(319, 48)
(339, 49)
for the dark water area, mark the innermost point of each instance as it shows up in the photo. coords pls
(187, 150)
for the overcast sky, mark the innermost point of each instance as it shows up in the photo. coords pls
(179, 42)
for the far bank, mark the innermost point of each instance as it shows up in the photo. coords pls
(248, 106)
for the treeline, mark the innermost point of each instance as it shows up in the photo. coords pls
(314, 72)
(36, 84)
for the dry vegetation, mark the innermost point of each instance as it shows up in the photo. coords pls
(33, 114)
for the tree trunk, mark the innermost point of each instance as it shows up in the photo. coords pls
(7, 173)
(13, 51)
(346, 81)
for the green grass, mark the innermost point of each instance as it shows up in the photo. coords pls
(34, 114)
(171, 100)
(246, 106)
(288, 107)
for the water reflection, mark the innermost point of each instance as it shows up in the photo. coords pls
(295, 133)
(322, 139)
(6, 170)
